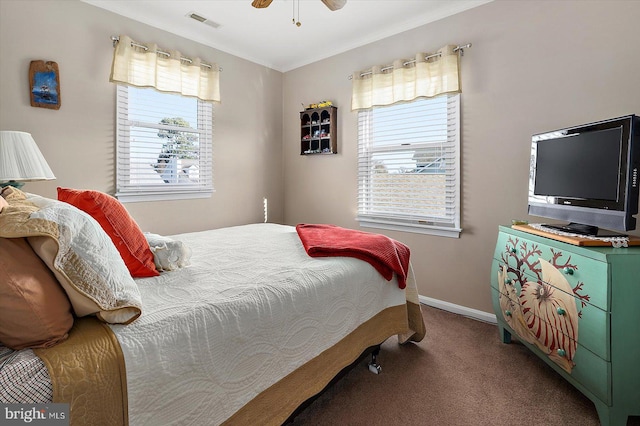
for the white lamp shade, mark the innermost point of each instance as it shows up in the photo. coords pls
(20, 158)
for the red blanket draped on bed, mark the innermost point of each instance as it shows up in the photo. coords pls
(383, 253)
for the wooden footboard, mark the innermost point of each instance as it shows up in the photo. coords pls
(88, 372)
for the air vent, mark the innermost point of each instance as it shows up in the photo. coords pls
(197, 17)
(204, 20)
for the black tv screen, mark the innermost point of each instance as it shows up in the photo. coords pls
(587, 175)
(580, 165)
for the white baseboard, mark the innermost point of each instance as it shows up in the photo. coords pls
(458, 309)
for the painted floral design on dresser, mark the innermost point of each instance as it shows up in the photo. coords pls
(538, 302)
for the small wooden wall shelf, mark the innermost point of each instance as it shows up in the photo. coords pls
(318, 131)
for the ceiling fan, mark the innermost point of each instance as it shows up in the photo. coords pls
(331, 4)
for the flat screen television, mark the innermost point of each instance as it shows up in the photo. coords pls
(587, 175)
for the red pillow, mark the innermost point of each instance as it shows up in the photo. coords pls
(118, 224)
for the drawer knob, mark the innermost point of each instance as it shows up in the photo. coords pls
(507, 313)
(562, 352)
(568, 271)
(512, 250)
(508, 280)
(561, 311)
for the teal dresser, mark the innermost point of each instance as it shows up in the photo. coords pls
(578, 309)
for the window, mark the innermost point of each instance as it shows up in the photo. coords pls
(164, 145)
(409, 166)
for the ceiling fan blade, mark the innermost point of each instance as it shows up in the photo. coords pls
(261, 3)
(334, 4)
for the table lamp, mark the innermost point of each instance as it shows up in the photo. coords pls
(21, 160)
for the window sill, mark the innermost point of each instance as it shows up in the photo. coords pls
(440, 231)
(136, 197)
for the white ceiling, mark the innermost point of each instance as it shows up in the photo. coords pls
(270, 38)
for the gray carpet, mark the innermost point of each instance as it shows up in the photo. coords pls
(460, 374)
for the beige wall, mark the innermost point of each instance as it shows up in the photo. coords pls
(534, 66)
(78, 139)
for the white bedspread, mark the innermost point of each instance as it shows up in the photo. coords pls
(251, 308)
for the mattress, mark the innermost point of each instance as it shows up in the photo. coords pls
(251, 308)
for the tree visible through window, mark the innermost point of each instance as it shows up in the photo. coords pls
(164, 145)
(178, 146)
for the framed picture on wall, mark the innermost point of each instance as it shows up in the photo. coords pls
(44, 84)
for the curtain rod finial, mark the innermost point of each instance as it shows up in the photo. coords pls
(461, 48)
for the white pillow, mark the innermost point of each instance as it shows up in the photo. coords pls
(168, 254)
(78, 252)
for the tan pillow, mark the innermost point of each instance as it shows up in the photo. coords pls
(3, 203)
(34, 310)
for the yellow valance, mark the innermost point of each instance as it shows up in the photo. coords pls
(147, 66)
(405, 80)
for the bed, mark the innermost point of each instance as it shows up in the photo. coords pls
(247, 332)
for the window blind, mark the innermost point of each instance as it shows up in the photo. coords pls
(164, 145)
(409, 166)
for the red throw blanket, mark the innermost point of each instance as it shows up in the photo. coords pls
(383, 253)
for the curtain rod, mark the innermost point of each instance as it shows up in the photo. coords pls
(404, 64)
(116, 39)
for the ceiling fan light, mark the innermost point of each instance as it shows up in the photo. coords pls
(334, 4)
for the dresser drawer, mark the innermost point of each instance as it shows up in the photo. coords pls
(591, 371)
(586, 278)
(594, 373)
(593, 325)
(588, 369)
